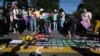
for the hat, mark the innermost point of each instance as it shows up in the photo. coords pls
(41, 9)
(55, 10)
(62, 12)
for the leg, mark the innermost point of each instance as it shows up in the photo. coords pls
(31, 24)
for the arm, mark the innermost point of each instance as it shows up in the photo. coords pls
(82, 16)
(89, 15)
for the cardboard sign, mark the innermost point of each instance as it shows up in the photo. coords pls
(85, 24)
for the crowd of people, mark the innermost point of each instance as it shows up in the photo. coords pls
(18, 20)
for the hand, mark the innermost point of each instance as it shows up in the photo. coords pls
(5, 21)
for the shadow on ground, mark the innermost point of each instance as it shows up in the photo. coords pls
(34, 54)
(9, 54)
(85, 52)
(16, 48)
(5, 41)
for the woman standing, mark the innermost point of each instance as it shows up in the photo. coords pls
(6, 17)
(62, 19)
(17, 19)
(85, 18)
(55, 18)
(33, 19)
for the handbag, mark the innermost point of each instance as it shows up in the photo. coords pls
(19, 15)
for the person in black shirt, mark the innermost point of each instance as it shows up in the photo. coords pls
(6, 20)
(1, 24)
(41, 25)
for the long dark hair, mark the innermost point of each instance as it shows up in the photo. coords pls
(7, 7)
(33, 8)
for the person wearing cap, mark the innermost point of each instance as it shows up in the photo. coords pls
(41, 9)
(55, 15)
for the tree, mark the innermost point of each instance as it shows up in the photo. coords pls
(48, 4)
(7, 1)
(93, 6)
(80, 6)
(23, 3)
(34, 2)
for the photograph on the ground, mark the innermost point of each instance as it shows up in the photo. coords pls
(49, 28)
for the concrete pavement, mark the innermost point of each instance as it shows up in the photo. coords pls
(78, 52)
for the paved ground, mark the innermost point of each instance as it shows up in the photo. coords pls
(80, 52)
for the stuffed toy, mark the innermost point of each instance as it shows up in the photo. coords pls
(27, 38)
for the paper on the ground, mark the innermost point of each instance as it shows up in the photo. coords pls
(16, 41)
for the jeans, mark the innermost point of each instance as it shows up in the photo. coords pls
(26, 21)
(46, 30)
(62, 23)
(54, 26)
(33, 24)
(16, 25)
(74, 29)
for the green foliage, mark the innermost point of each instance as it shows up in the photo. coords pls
(47, 4)
(77, 14)
(34, 2)
(93, 6)
(22, 3)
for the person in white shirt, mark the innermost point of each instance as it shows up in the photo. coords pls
(55, 18)
(16, 20)
(86, 15)
(15, 11)
(62, 19)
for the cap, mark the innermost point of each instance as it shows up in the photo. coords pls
(55, 10)
(41, 9)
